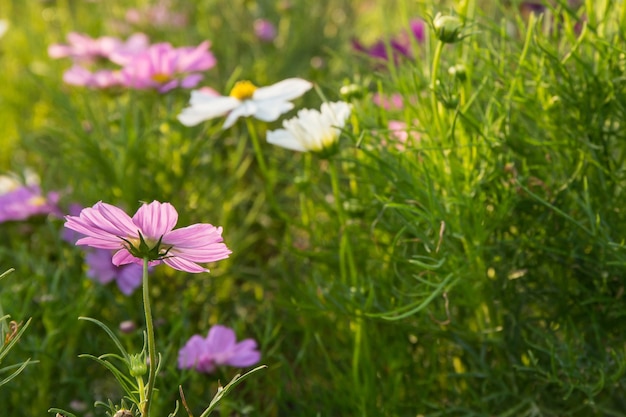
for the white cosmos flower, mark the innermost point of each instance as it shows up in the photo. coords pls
(245, 99)
(312, 130)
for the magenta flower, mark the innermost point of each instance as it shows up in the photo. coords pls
(264, 30)
(399, 46)
(164, 67)
(100, 79)
(83, 48)
(389, 102)
(149, 234)
(158, 15)
(217, 349)
(19, 201)
(101, 269)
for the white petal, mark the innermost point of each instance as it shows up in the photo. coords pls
(285, 139)
(245, 108)
(206, 109)
(268, 111)
(284, 90)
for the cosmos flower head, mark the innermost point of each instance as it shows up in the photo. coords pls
(313, 130)
(20, 200)
(219, 348)
(264, 30)
(245, 99)
(150, 235)
(83, 48)
(163, 67)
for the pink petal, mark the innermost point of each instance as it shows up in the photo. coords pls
(155, 219)
(189, 355)
(184, 265)
(220, 339)
(244, 354)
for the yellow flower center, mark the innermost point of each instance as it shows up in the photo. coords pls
(37, 201)
(160, 78)
(243, 90)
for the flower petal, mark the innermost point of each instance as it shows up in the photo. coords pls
(204, 107)
(184, 265)
(284, 90)
(189, 355)
(155, 219)
(270, 110)
(244, 354)
(245, 108)
(220, 339)
(284, 139)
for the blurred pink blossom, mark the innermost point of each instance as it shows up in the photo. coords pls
(396, 47)
(100, 79)
(19, 201)
(389, 102)
(163, 67)
(264, 30)
(158, 15)
(219, 348)
(85, 49)
(100, 268)
(400, 133)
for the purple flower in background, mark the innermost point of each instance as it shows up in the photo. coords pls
(164, 67)
(149, 233)
(264, 30)
(158, 15)
(83, 48)
(399, 46)
(218, 348)
(20, 201)
(101, 269)
(388, 102)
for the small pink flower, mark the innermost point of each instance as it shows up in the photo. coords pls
(389, 102)
(164, 67)
(19, 201)
(83, 48)
(220, 347)
(158, 15)
(264, 30)
(100, 79)
(101, 269)
(149, 233)
(401, 134)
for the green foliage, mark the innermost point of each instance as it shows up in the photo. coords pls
(469, 264)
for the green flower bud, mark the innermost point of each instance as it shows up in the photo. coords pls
(351, 91)
(138, 365)
(458, 71)
(448, 28)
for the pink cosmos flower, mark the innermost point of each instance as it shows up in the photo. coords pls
(401, 132)
(83, 48)
(218, 348)
(149, 233)
(101, 79)
(164, 67)
(19, 201)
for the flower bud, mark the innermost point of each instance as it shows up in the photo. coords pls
(351, 91)
(448, 28)
(458, 71)
(138, 365)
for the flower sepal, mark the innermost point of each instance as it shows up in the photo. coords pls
(145, 251)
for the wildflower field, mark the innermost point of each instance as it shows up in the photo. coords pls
(325, 208)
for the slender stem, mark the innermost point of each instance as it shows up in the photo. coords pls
(257, 149)
(151, 345)
(433, 84)
(268, 179)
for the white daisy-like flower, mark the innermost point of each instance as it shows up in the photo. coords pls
(4, 26)
(312, 130)
(245, 99)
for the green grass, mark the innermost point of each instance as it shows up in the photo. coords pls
(477, 272)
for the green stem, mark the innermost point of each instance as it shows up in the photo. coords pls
(268, 179)
(151, 344)
(433, 84)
